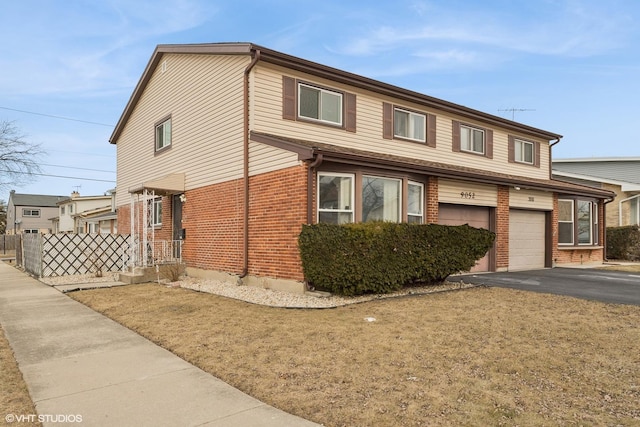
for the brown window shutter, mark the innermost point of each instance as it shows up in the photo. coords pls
(455, 132)
(387, 120)
(512, 149)
(536, 154)
(288, 98)
(488, 141)
(350, 107)
(431, 130)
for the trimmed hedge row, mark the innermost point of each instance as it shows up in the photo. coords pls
(383, 257)
(623, 243)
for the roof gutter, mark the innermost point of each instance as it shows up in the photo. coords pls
(310, 169)
(245, 236)
(551, 155)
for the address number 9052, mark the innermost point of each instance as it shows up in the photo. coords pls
(467, 195)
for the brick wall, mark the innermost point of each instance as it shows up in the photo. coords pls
(163, 232)
(213, 219)
(278, 203)
(432, 200)
(502, 228)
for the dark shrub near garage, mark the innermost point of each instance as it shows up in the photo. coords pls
(623, 243)
(383, 257)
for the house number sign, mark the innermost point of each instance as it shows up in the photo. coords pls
(467, 195)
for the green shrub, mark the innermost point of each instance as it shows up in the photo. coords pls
(623, 243)
(382, 257)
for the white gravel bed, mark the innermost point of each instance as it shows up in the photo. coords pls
(255, 295)
(274, 298)
(79, 278)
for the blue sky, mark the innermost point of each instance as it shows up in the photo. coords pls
(565, 66)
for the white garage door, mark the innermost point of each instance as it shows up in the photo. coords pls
(526, 240)
(475, 216)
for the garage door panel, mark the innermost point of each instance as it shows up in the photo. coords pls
(527, 246)
(475, 216)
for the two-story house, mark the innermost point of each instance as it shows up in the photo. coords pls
(233, 146)
(83, 214)
(31, 213)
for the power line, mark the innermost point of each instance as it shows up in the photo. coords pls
(58, 176)
(56, 117)
(74, 167)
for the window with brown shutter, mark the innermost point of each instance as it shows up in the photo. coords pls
(288, 98)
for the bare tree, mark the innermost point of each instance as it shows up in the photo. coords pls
(3, 216)
(18, 157)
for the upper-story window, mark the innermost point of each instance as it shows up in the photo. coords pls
(524, 151)
(61, 210)
(403, 123)
(31, 212)
(309, 102)
(410, 125)
(319, 104)
(163, 134)
(472, 139)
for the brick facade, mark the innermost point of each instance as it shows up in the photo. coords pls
(432, 200)
(502, 229)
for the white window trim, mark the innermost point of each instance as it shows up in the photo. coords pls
(410, 129)
(157, 201)
(522, 143)
(320, 119)
(162, 125)
(351, 195)
(470, 142)
(573, 237)
(591, 241)
(409, 214)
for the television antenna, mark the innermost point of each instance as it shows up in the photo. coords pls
(513, 111)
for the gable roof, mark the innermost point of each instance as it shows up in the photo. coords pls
(312, 149)
(36, 200)
(259, 53)
(611, 169)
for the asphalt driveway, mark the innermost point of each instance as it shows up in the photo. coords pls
(616, 287)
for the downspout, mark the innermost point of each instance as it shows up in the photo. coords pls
(551, 157)
(317, 162)
(247, 71)
(604, 228)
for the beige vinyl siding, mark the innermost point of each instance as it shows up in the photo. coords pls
(467, 193)
(204, 96)
(267, 159)
(530, 199)
(268, 118)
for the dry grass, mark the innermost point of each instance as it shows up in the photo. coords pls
(14, 396)
(485, 356)
(632, 268)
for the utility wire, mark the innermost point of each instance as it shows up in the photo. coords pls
(74, 167)
(58, 176)
(57, 117)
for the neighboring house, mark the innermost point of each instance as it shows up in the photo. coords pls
(30, 213)
(618, 174)
(232, 147)
(86, 214)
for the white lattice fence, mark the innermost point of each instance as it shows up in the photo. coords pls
(32, 251)
(68, 254)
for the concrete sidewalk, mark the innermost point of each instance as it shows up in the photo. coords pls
(78, 362)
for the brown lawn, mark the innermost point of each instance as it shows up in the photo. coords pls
(483, 356)
(14, 396)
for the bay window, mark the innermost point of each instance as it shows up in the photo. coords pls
(355, 197)
(577, 222)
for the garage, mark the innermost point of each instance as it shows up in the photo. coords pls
(526, 239)
(475, 216)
